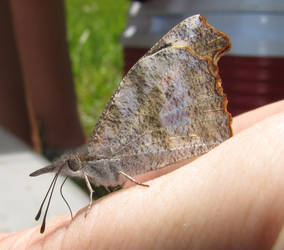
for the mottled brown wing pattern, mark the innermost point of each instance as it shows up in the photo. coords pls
(170, 106)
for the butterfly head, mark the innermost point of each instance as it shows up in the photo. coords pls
(69, 165)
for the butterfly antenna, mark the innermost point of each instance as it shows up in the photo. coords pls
(43, 201)
(64, 197)
(45, 214)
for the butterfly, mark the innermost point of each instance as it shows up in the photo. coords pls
(168, 108)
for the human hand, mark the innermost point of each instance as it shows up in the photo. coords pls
(230, 198)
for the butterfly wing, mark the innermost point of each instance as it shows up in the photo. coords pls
(170, 105)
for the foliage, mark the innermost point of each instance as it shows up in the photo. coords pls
(94, 28)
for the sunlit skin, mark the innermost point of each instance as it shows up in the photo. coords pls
(230, 198)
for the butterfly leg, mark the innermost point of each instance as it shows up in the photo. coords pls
(91, 193)
(132, 179)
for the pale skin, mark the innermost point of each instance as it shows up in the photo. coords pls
(230, 198)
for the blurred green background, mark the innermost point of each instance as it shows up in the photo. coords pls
(94, 28)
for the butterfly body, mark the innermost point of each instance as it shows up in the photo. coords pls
(153, 123)
(168, 108)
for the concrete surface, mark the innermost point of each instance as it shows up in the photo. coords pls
(21, 195)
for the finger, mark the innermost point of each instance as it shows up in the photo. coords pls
(247, 119)
(229, 198)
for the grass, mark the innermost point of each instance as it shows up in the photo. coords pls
(94, 28)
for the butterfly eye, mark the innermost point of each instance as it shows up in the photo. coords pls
(73, 165)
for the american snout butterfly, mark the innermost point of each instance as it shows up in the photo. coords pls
(168, 108)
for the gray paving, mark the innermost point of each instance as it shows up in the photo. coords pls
(21, 195)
